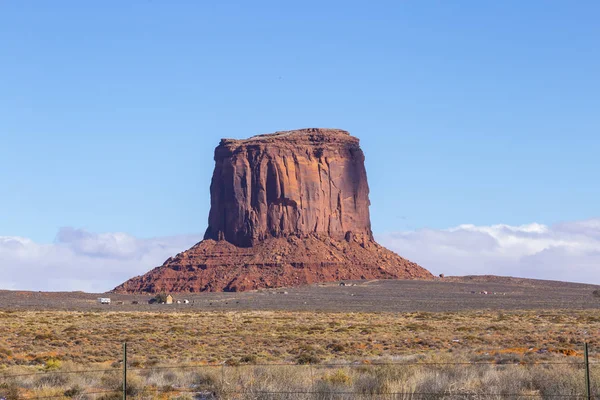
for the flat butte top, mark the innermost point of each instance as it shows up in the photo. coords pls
(306, 136)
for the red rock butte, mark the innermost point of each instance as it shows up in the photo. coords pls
(287, 209)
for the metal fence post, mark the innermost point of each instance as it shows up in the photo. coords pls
(588, 389)
(124, 370)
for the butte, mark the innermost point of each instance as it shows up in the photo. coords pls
(287, 209)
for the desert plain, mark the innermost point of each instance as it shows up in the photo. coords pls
(467, 336)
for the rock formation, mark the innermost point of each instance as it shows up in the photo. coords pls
(287, 208)
(289, 183)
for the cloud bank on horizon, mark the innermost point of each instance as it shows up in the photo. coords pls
(97, 262)
(568, 251)
(81, 260)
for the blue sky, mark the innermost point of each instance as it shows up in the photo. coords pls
(469, 112)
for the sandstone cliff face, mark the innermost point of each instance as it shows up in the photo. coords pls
(302, 183)
(287, 209)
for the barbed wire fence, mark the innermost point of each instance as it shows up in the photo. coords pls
(221, 386)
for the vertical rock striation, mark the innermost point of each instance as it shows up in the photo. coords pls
(307, 182)
(287, 208)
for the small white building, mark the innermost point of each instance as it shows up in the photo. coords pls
(103, 300)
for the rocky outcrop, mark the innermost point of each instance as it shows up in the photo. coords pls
(307, 182)
(287, 209)
(276, 262)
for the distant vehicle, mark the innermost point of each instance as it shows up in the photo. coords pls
(103, 300)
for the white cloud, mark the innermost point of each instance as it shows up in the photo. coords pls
(568, 251)
(96, 262)
(81, 260)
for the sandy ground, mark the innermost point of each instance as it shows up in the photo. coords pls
(448, 294)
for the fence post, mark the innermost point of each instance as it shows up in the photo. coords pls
(124, 370)
(588, 389)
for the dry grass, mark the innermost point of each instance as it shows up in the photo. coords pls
(420, 380)
(46, 342)
(34, 337)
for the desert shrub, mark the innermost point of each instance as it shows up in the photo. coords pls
(232, 362)
(391, 372)
(558, 380)
(71, 329)
(9, 391)
(135, 363)
(325, 391)
(135, 385)
(596, 293)
(152, 361)
(52, 380)
(507, 381)
(248, 359)
(52, 364)
(177, 329)
(167, 389)
(73, 391)
(261, 382)
(204, 380)
(162, 378)
(307, 358)
(46, 336)
(497, 328)
(5, 353)
(465, 329)
(385, 379)
(372, 385)
(509, 358)
(418, 327)
(338, 377)
(432, 381)
(112, 380)
(336, 347)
